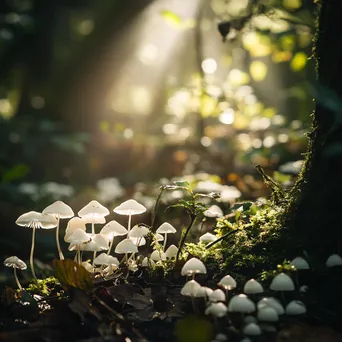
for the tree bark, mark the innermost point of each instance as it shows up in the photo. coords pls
(314, 213)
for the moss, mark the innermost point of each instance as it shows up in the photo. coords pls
(44, 286)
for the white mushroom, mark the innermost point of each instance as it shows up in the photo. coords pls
(334, 260)
(193, 266)
(252, 287)
(295, 307)
(60, 210)
(271, 302)
(171, 252)
(213, 211)
(300, 263)
(240, 303)
(157, 255)
(77, 239)
(227, 282)
(93, 212)
(190, 288)
(15, 262)
(74, 224)
(252, 329)
(166, 228)
(207, 238)
(137, 233)
(112, 229)
(216, 309)
(147, 262)
(217, 296)
(129, 208)
(282, 282)
(204, 292)
(267, 314)
(125, 247)
(35, 220)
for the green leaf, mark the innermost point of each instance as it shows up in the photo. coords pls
(184, 184)
(171, 18)
(16, 172)
(71, 274)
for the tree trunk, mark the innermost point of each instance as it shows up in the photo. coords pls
(314, 213)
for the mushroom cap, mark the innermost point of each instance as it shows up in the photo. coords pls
(216, 309)
(166, 228)
(295, 307)
(282, 282)
(252, 329)
(240, 303)
(88, 267)
(217, 296)
(113, 228)
(59, 209)
(138, 231)
(159, 237)
(147, 262)
(207, 238)
(250, 319)
(74, 224)
(104, 259)
(213, 211)
(334, 260)
(138, 241)
(300, 263)
(252, 286)
(130, 207)
(204, 292)
(190, 288)
(228, 282)
(126, 246)
(171, 252)
(79, 236)
(15, 262)
(268, 314)
(93, 212)
(33, 219)
(157, 255)
(271, 302)
(192, 266)
(98, 243)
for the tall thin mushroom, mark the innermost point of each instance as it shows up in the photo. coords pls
(35, 220)
(15, 262)
(112, 229)
(59, 210)
(166, 228)
(129, 208)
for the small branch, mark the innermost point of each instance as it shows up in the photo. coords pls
(181, 244)
(154, 214)
(221, 238)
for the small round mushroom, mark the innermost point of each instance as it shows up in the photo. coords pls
(190, 288)
(295, 307)
(157, 255)
(216, 309)
(137, 233)
(207, 238)
(227, 282)
(193, 266)
(171, 252)
(271, 302)
(282, 282)
(240, 303)
(252, 329)
(138, 241)
(300, 263)
(217, 296)
(166, 228)
(15, 262)
(126, 246)
(147, 262)
(129, 208)
(252, 287)
(35, 220)
(112, 229)
(221, 337)
(268, 314)
(204, 292)
(59, 210)
(78, 238)
(93, 212)
(74, 224)
(250, 319)
(213, 211)
(334, 260)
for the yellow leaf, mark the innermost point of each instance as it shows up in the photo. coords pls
(71, 274)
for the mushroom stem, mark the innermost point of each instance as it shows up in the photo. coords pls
(17, 280)
(31, 255)
(60, 253)
(129, 222)
(92, 228)
(110, 246)
(94, 257)
(165, 238)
